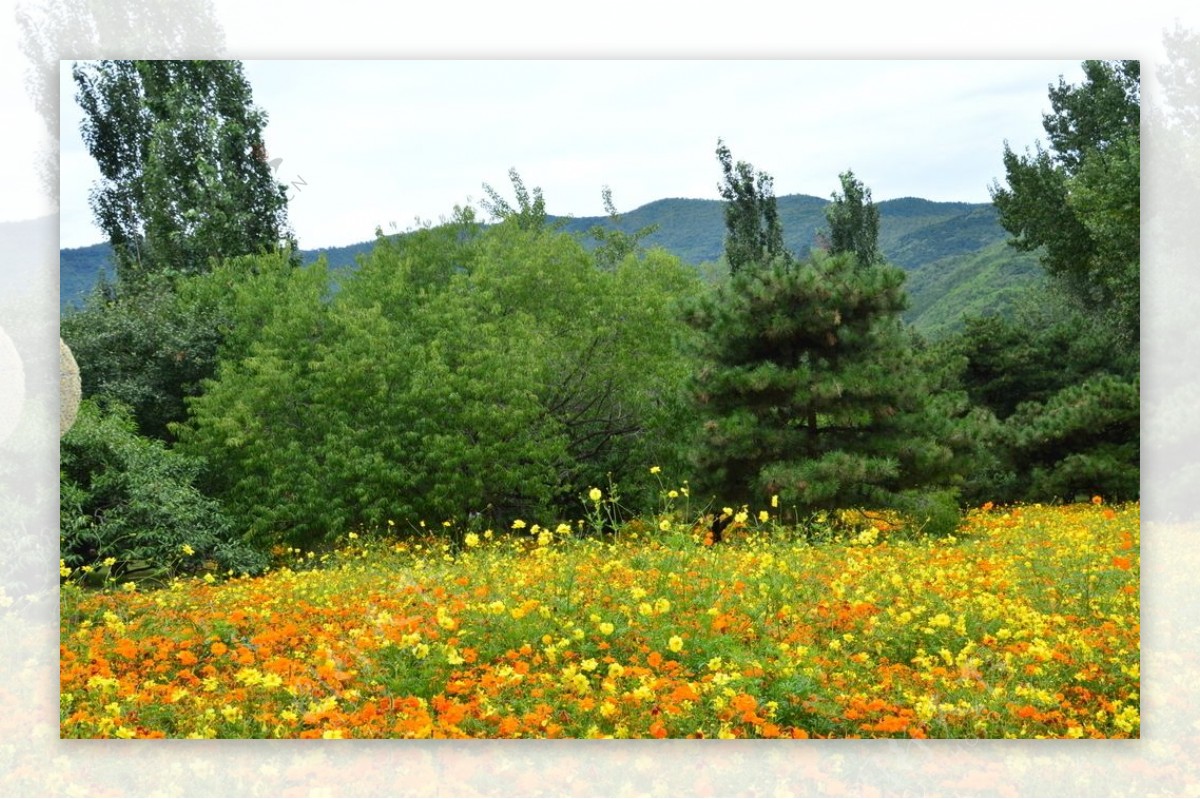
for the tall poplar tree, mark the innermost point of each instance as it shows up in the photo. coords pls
(185, 181)
(184, 171)
(854, 221)
(753, 233)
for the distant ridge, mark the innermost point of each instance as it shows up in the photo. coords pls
(954, 252)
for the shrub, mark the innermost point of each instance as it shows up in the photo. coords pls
(129, 498)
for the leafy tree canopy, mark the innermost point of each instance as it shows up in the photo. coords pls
(1079, 204)
(854, 221)
(753, 234)
(458, 371)
(183, 164)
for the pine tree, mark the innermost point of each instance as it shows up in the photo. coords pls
(812, 390)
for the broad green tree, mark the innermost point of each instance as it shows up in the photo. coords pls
(460, 373)
(184, 171)
(854, 221)
(753, 234)
(146, 349)
(1078, 203)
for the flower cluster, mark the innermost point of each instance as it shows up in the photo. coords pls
(1026, 625)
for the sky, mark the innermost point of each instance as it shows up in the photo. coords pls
(366, 144)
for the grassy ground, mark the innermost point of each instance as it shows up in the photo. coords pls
(1025, 623)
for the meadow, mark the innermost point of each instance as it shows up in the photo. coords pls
(1022, 624)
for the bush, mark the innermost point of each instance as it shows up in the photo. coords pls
(131, 499)
(932, 513)
(455, 374)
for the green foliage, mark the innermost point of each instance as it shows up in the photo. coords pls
(1063, 378)
(1065, 395)
(1078, 204)
(530, 213)
(146, 349)
(1081, 442)
(854, 221)
(954, 253)
(127, 497)
(613, 244)
(813, 391)
(752, 230)
(457, 371)
(185, 184)
(185, 177)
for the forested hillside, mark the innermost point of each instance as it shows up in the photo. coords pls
(954, 252)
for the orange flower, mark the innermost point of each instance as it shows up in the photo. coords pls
(743, 703)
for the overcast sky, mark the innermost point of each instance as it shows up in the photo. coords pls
(377, 143)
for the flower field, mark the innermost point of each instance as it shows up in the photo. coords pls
(1023, 624)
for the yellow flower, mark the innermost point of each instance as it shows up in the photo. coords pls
(665, 525)
(595, 494)
(763, 516)
(472, 540)
(518, 524)
(675, 644)
(774, 500)
(187, 549)
(606, 627)
(655, 470)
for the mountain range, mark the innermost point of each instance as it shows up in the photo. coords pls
(955, 255)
